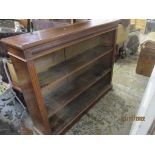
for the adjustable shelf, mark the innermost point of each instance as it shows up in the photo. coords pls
(56, 74)
(73, 88)
(62, 72)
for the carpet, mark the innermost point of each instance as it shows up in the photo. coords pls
(106, 117)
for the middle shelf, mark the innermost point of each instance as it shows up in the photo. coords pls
(74, 86)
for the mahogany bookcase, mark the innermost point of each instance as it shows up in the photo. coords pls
(62, 72)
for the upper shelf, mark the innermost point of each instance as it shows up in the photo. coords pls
(59, 35)
(63, 70)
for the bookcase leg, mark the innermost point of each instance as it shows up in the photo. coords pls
(30, 86)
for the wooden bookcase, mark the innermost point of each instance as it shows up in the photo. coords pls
(63, 71)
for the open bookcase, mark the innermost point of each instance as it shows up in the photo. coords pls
(65, 77)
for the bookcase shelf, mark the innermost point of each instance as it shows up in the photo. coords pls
(63, 71)
(72, 89)
(64, 118)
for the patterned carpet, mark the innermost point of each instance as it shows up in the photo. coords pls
(105, 118)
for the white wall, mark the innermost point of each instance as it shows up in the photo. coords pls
(147, 108)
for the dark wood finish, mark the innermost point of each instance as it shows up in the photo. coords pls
(63, 71)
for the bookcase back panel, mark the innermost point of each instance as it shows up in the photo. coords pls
(105, 39)
(44, 63)
(99, 66)
(81, 47)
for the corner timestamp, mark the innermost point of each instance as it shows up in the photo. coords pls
(133, 118)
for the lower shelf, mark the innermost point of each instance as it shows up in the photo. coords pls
(63, 119)
(70, 90)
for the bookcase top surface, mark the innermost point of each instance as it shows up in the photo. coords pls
(29, 40)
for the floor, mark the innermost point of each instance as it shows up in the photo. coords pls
(106, 117)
